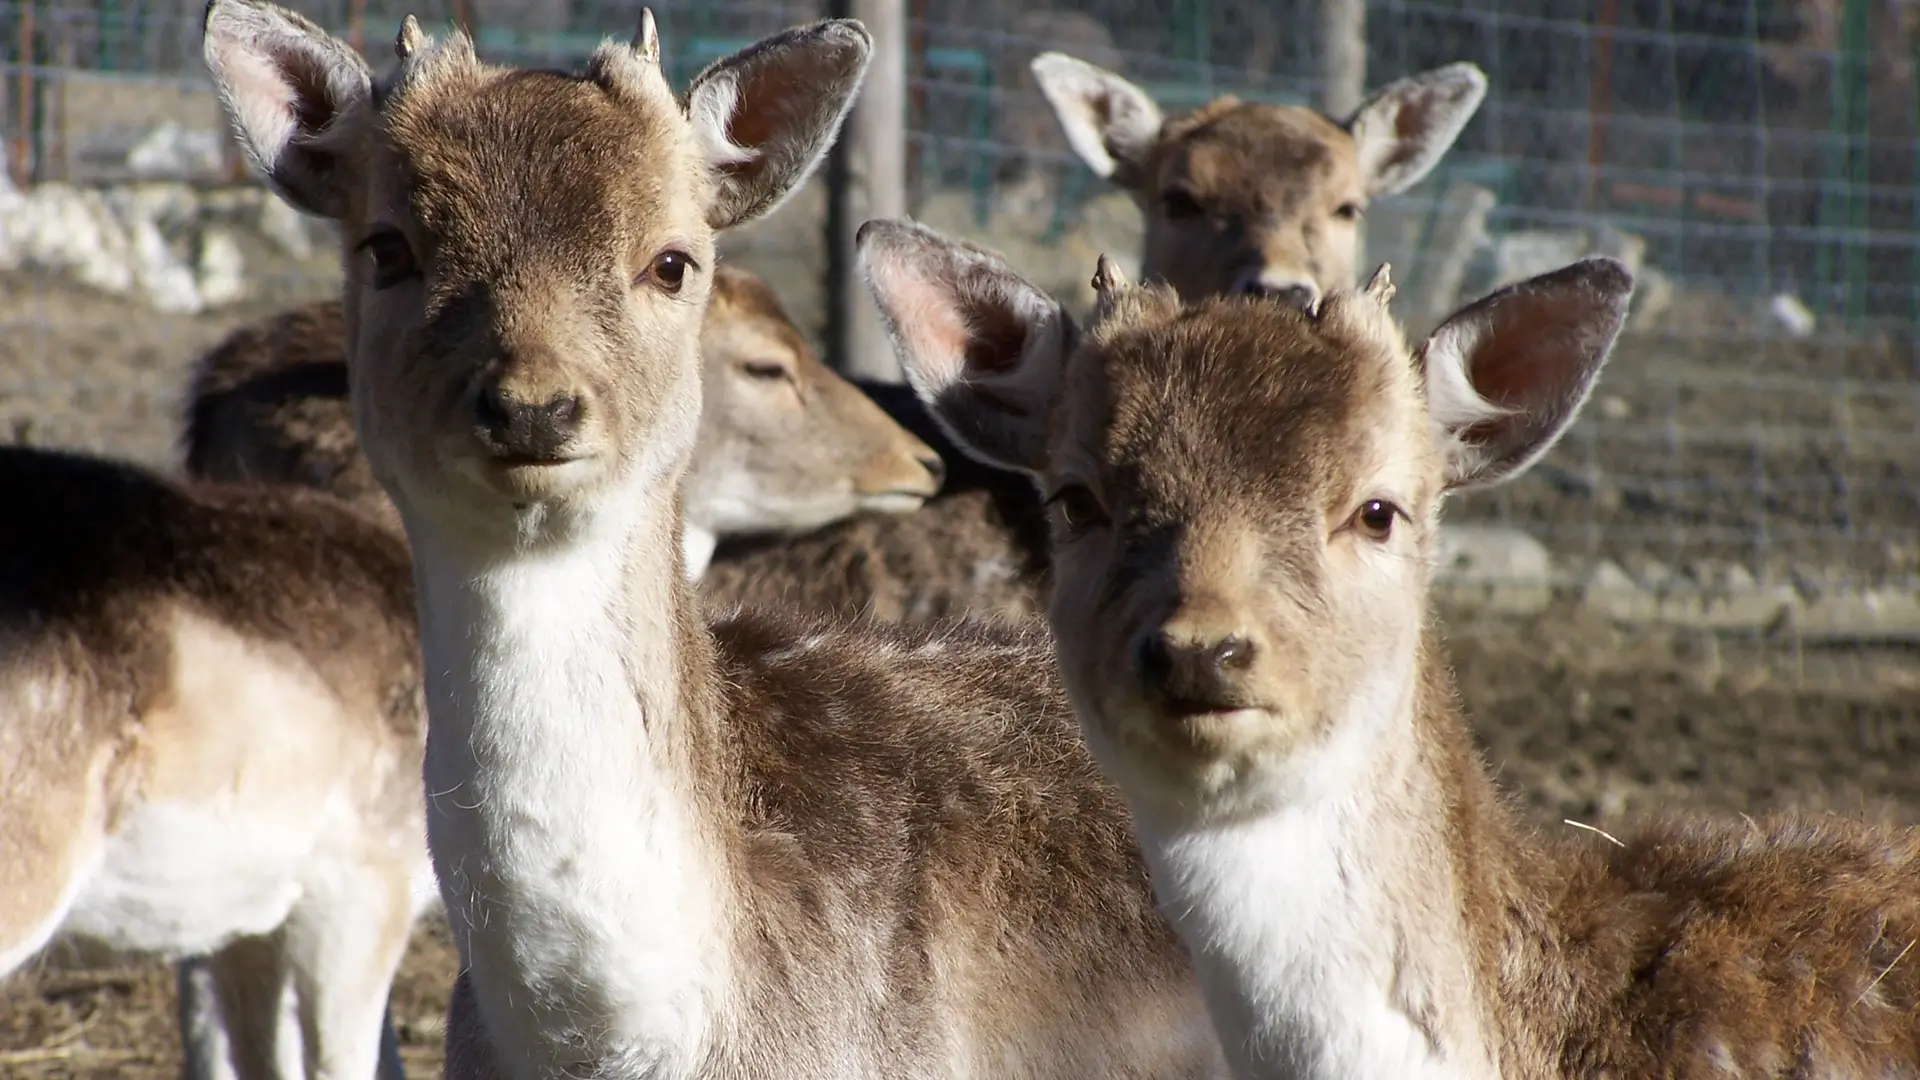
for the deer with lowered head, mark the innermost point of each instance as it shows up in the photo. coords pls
(1244, 500)
(210, 745)
(785, 445)
(751, 847)
(1237, 197)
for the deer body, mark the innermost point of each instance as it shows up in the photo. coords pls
(668, 847)
(212, 734)
(1245, 504)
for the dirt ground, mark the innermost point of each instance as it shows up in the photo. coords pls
(1704, 444)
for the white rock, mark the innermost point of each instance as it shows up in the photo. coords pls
(171, 151)
(1792, 314)
(221, 274)
(1501, 568)
(166, 280)
(285, 227)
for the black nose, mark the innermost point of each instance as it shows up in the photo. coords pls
(1293, 296)
(936, 466)
(523, 430)
(1198, 676)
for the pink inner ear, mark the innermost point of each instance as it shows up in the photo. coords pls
(926, 318)
(263, 97)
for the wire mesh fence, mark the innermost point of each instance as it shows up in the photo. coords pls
(1758, 162)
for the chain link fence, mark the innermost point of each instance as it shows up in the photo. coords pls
(1756, 161)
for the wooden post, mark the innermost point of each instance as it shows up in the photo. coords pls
(1343, 75)
(867, 178)
(23, 148)
(1343, 56)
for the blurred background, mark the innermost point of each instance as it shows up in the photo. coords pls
(1709, 594)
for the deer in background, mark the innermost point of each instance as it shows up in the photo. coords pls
(786, 445)
(1243, 197)
(1238, 197)
(1244, 509)
(210, 745)
(668, 846)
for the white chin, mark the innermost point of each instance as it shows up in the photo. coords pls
(892, 503)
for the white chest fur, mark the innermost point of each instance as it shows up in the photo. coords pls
(565, 849)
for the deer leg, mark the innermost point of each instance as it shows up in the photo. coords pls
(232, 1013)
(344, 945)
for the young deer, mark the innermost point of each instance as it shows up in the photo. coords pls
(1238, 198)
(785, 445)
(757, 847)
(211, 730)
(1241, 197)
(1245, 504)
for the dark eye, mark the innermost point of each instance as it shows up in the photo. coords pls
(1079, 509)
(1180, 205)
(1347, 211)
(763, 369)
(667, 271)
(393, 260)
(1374, 519)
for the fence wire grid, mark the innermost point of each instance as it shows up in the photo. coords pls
(1758, 161)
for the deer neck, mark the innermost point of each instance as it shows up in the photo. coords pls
(569, 688)
(1338, 931)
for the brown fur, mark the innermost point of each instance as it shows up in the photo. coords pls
(927, 867)
(1219, 452)
(138, 615)
(891, 855)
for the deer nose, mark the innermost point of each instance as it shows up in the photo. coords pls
(1197, 675)
(936, 467)
(522, 430)
(1293, 295)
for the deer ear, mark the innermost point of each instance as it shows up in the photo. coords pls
(1111, 123)
(981, 346)
(284, 83)
(1406, 127)
(1508, 374)
(767, 114)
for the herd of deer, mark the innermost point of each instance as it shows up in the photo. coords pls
(706, 809)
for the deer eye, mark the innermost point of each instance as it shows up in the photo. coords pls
(1078, 508)
(1374, 520)
(1180, 205)
(1347, 211)
(763, 369)
(667, 272)
(393, 260)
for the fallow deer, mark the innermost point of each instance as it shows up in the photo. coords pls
(785, 446)
(211, 730)
(1243, 196)
(753, 847)
(1245, 502)
(1237, 197)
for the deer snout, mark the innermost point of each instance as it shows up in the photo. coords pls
(522, 431)
(903, 480)
(936, 469)
(1293, 293)
(1195, 672)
